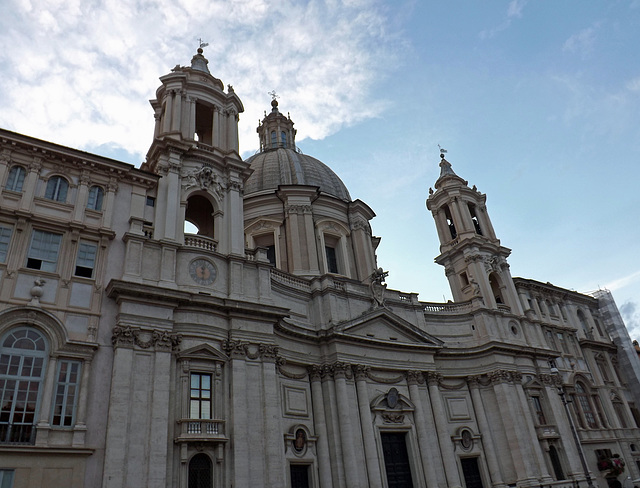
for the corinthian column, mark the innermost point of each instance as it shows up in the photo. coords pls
(344, 419)
(427, 453)
(317, 401)
(366, 424)
(444, 437)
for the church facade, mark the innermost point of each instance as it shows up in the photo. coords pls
(264, 349)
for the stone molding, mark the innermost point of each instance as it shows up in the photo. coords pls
(130, 337)
(237, 349)
(505, 376)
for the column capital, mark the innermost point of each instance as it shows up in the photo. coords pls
(415, 377)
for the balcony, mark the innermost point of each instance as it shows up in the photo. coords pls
(200, 242)
(201, 430)
(547, 432)
(17, 434)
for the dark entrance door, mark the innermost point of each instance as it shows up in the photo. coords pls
(396, 460)
(299, 476)
(471, 472)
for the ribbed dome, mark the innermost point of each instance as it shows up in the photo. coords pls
(285, 166)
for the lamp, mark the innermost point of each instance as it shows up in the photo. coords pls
(563, 396)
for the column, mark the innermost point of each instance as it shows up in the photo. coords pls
(82, 197)
(333, 426)
(485, 429)
(177, 111)
(317, 402)
(344, 419)
(239, 431)
(43, 425)
(29, 186)
(444, 437)
(426, 446)
(273, 446)
(519, 443)
(366, 424)
(216, 127)
(81, 416)
(168, 109)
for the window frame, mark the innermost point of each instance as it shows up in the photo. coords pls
(15, 179)
(63, 387)
(95, 198)
(43, 260)
(57, 189)
(199, 399)
(84, 266)
(6, 232)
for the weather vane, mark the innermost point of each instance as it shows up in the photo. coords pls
(202, 44)
(442, 151)
(273, 95)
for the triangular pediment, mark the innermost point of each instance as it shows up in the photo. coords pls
(202, 352)
(382, 325)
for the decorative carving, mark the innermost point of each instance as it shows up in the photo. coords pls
(378, 286)
(415, 378)
(505, 376)
(341, 370)
(392, 418)
(315, 372)
(36, 292)
(361, 224)
(433, 378)
(128, 336)
(361, 372)
(205, 178)
(298, 209)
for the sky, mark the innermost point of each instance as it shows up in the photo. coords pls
(537, 103)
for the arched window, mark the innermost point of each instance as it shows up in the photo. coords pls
(494, 281)
(200, 214)
(274, 139)
(96, 195)
(585, 405)
(22, 363)
(474, 218)
(200, 471)
(583, 322)
(57, 188)
(283, 139)
(16, 178)
(452, 226)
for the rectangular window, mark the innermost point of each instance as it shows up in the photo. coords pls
(332, 259)
(299, 476)
(151, 202)
(200, 403)
(5, 238)
(86, 259)
(6, 478)
(64, 406)
(43, 250)
(563, 344)
(537, 407)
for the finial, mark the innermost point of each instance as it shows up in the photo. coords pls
(442, 151)
(201, 44)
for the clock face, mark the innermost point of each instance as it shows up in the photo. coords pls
(202, 272)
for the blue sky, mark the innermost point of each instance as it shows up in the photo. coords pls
(537, 103)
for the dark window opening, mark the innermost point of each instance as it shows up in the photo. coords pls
(537, 407)
(332, 259)
(299, 476)
(474, 218)
(204, 124)
(452, 227)
(271, 254)
(494, 281)
(200, 471)
(471, 472)
(396, 460)
(555, 463)
(283, 139)
(151, 201)
(200, 213)
(274, 139)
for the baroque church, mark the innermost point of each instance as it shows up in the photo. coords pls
(264, 349)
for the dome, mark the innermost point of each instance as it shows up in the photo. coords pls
(286, 166)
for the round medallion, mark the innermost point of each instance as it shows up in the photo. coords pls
(202, 271)
(466, 440)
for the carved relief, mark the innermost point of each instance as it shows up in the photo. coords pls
(159, 340)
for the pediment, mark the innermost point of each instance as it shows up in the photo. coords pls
(203, 352)
(383, 325)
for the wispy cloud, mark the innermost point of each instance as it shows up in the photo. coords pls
(514, 11)
(80, 73)
(624, 281)
(582, 43)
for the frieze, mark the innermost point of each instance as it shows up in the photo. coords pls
(472, 258)
(241, 349)
(160, 340)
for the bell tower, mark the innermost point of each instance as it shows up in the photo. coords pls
(475, 263)
(195, 151)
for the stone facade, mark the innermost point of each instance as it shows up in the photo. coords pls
(266, 349)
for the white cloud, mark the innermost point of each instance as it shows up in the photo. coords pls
(583, 42)
(514, 11)
(631, 316)
(515, 8)
(624, 281)
(81, 72)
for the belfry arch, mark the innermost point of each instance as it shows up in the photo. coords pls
(200, 213)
